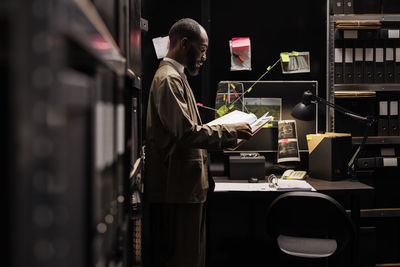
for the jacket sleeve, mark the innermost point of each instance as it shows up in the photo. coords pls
(173, 111)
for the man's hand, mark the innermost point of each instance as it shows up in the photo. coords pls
(243, 130)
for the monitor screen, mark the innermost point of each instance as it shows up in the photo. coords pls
(277, 97)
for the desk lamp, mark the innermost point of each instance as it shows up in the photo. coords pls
(306, 111)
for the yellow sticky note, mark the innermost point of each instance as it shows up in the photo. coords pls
(269, 67)
(231, 106)
(222, 110)
(233, 86)
(285, 57)
(251, 88)
(267, 125)
(309, 137)
(294, 53)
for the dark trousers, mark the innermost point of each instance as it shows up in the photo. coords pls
(177, 235)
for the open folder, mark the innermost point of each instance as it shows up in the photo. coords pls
(238, 116)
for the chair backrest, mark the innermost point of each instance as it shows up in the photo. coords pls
(309, 214)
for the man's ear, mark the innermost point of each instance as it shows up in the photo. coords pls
(184, 43)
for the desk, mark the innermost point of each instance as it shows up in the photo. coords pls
(236, 221)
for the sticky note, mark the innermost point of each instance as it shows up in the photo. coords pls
(309, 137)
(236, 95)
(267, 125)
(248, 90)
(285, 57)
(269, 67)
(222, 110)
(233, 86)
(240, 42)
(294, 53)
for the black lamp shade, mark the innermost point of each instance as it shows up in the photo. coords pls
(304, 112)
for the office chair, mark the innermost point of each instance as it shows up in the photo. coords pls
(309, 226)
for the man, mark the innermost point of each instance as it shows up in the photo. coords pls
(176, 173)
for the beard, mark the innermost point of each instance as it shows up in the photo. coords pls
(192, 68)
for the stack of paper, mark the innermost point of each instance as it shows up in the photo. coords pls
(283, 185)
(293, 185)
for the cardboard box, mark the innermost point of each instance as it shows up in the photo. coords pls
(244, 168)
(329, 155)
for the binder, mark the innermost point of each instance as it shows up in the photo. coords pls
(339, 53)
(397, 64)
(358, 65)
(394, 115)
(379, 64)
(349, 37)
(337, 6)
(368, 37)
(348, 65)
(348, 6)
(383, 112)
(389, 65)
(394, 35)
(369, 65)
(387, 35)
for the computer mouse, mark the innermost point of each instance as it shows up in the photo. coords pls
(253, 180)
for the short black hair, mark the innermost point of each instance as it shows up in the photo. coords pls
(184, 28)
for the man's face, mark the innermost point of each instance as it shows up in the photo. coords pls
(196, 55)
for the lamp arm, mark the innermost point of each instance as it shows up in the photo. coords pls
(340, 109)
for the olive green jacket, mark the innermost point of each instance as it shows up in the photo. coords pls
(176, 141)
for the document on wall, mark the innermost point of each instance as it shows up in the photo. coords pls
(238, 116)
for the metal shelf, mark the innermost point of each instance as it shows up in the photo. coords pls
(380, 17)
(377, 140)
(80, 21)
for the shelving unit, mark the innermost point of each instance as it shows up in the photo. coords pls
(75, 132)
(332, 86)
(362, 95)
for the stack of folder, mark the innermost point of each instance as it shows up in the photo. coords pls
(388, 113)
(367, 56)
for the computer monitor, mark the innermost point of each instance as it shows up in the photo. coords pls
(277, 97)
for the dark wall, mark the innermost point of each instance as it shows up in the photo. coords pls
(283, 26)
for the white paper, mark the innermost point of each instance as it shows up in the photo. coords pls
(241, 187)
(389, 54)
(397, 54)
(291, 185)
(393, 34)
(390, 162)
(348, 57)
(383, 108)
(161, 46)
(369, 54)
(359, 54)
(350, 34)
(283, 185)
(379, 55)
(234, 117)
(338, 55)
(394, 108)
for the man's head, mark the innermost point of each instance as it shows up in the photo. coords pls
(188, 44)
